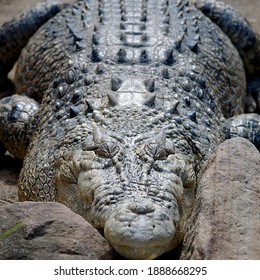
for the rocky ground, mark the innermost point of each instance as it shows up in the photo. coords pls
(64, 247)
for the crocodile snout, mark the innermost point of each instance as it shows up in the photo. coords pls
(139, 231)
(141, 209)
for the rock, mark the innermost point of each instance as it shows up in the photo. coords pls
(48, 230)
(225, 223)
(9, 171)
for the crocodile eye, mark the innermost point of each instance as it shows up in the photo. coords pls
(107, 150)
(156, 151)
(104, 150)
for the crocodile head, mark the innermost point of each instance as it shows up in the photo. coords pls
(137, 191)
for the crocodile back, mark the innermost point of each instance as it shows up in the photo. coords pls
(131, 67)
(102, 46)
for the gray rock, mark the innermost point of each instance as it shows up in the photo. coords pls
(225, 223)
(34, 230)
(9, 171)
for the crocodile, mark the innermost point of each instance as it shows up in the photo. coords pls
(117, 105)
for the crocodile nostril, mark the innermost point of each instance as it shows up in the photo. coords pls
(141, 209)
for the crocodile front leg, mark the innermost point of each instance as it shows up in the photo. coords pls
(17, 123)
(244, 125)
(15, 34)
(244, 39)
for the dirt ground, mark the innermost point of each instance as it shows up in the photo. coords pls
(9, 168)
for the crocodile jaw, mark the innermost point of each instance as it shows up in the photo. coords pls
(139, 236)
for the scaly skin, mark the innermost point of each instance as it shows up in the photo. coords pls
(132, 98)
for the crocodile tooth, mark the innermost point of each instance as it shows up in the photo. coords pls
(112, 100)
(149, 84)
(115, 83)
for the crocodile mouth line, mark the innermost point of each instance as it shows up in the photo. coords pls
(139, 253)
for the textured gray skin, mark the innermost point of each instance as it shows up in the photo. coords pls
(131, 100)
